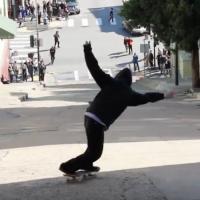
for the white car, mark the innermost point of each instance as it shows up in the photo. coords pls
(134, 30)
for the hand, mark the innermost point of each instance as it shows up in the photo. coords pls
(170, 94)
(87, 46)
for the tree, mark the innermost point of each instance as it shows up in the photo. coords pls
(173, 21)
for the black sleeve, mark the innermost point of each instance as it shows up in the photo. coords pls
(101, 78)
(139, 99)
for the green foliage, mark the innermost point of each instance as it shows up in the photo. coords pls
(172, 20)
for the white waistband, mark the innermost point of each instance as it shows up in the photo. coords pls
(94, 117)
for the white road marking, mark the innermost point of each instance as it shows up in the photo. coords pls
(114, 22)
(99, 22)
(70, 22)
(84, 22)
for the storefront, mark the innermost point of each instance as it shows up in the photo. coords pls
(13, 6)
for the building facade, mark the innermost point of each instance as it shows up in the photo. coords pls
(7, 31)
(4, 48)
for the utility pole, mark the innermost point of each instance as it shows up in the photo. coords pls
(154, 50)
(176, 66)
(37, 32)
(13, 4)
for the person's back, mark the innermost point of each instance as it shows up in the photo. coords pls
(116, 93)
(111, 101)
(52, 50)
(135, 58)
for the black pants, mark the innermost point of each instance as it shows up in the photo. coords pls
(95, 141)
(136, 66)
(57, 42)
(52, 58)
(130, 49)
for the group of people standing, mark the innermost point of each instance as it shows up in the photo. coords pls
(128, 43)
(163, 58)
(24, 70)
(163, 61)
(30, 10)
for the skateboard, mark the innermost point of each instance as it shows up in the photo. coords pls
(80, 176)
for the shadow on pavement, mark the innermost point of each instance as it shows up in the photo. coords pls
(106, 186)
(153, 183)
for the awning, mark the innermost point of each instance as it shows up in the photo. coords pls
(8, 28)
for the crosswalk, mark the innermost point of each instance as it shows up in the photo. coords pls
(20, 47)
(85, 22)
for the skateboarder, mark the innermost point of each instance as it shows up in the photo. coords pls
(115, 95)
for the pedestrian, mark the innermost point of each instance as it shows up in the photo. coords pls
(135, 62)
(49, 11)
(32, 11)
(20, 19)
(126, 44)
(150, 58)
(30, 68)
(57, 39)
(159, 58)
(16, 70)
(24, 71)
(11, 72)
(42, 70)
(163, 60)
(111, 15)
(44, 6)
(113, 98)
(45, 18)
(168, 63)
(52, 54)
(130, 45)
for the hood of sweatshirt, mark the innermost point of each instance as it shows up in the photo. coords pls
(125, 76)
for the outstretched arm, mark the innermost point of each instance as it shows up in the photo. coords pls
(101, 78)
(139, 99)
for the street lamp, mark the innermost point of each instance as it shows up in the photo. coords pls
(37, 32)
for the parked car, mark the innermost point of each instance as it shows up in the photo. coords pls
(73, 8)
(71, 1)
(129, 26)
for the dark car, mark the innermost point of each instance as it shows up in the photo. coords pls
(129, 26)
(71, 1)
(73, 8)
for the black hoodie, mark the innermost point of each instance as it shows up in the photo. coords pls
(116, 93)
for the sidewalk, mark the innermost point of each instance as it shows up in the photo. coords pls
(51, 25)
(139, 171)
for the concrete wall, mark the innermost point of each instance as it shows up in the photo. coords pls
(185, 65)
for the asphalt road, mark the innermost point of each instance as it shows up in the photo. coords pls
(46, 120)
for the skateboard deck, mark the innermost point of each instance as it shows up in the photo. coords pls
(80, 176)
